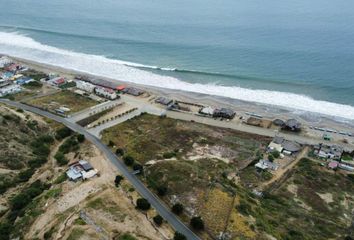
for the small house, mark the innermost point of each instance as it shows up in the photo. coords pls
(58, 81)
(333, 164)
(224, 113)
(265, 164)
(85, 86)
(329, 152)
(292, 125)
(106, 93)
(164, 101)
(120, 88)
(278, 122)
(10, 89)
(284, 146)
(207, 111)
(81, 170)
(133, 91)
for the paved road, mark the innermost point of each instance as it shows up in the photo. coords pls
(139, 186)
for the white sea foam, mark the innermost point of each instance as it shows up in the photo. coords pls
(25, 47)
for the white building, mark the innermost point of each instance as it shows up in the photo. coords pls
(265, 164)
(207, 111)
(10, 89)
(85, 86)
(5, 61)
(106, 93)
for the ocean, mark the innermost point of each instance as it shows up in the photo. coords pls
(294, 54)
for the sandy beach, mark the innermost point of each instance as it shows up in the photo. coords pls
(241, 107)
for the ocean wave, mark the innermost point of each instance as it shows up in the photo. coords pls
(25, 47)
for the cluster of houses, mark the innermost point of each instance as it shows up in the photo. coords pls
(290, 124)
(104, 88)
(81, 169)
(333, 154)
(217, 112)
(11, 78)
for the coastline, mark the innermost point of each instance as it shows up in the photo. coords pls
(240, 106)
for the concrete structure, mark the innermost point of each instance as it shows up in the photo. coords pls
(81, 169)
(292, 125)
(208, 111)
(106, 93)
(58, 81)
(224, 113)
(10, 89)
(133, 91)
(265, 164)
(329, 151)
(164, 101)
(85, 86)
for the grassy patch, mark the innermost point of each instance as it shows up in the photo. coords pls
(63, 98)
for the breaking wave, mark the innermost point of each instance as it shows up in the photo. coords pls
(25, 47)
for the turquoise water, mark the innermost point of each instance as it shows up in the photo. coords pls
(223, 48)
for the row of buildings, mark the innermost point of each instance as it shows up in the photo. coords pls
(217, 112)
(11, 77)
(333, 154)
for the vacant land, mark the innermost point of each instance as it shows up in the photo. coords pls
(63, 98)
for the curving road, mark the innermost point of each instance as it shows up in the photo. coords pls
(139, 186)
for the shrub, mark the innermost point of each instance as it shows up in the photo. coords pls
(80, 138)
(143, 204)
(25, 175)
(158, 220)
(137, 167)
(161, 190)
(118, 179)
(197, 223)
(177, 208)
(128, 160)
(119, 152)
(61, 159)
(63, 133)
(276, 154)
(270, 157)
(179, 236)
(169, 155)
(110, 143)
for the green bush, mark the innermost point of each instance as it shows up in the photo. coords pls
(177, 209)
(80, 138)
(128, 160)
(118, 179)
(276, 154)
(119, 152)
(197, 223)
(61, 159)
(25, 175)
(143, 204)
(158, 220)
(63, 133)
(161, 191)
(270, 157)
(169, 155)
(179, 236)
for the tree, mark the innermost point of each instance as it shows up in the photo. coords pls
(137, 167)
(158, 220)
(111, 143)
(63, 133)
(161, 190)
(177, 208)
(197, 223)
(270, 157)
(128, 160)
(276, 154)
(119, 152)
(80, 138)
(143, 204)
(179, 236)
(118, 179)
(61, 159)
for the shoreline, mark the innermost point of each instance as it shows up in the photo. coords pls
(240, 106)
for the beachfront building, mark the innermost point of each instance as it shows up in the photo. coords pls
(278, 122)
(85, 86)
(57, 81)
(10, 89)
(133, 91)
(292, 125)
(164, 101)
(207, 111)
(106, 93)
(5, 61)
(224, 113)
